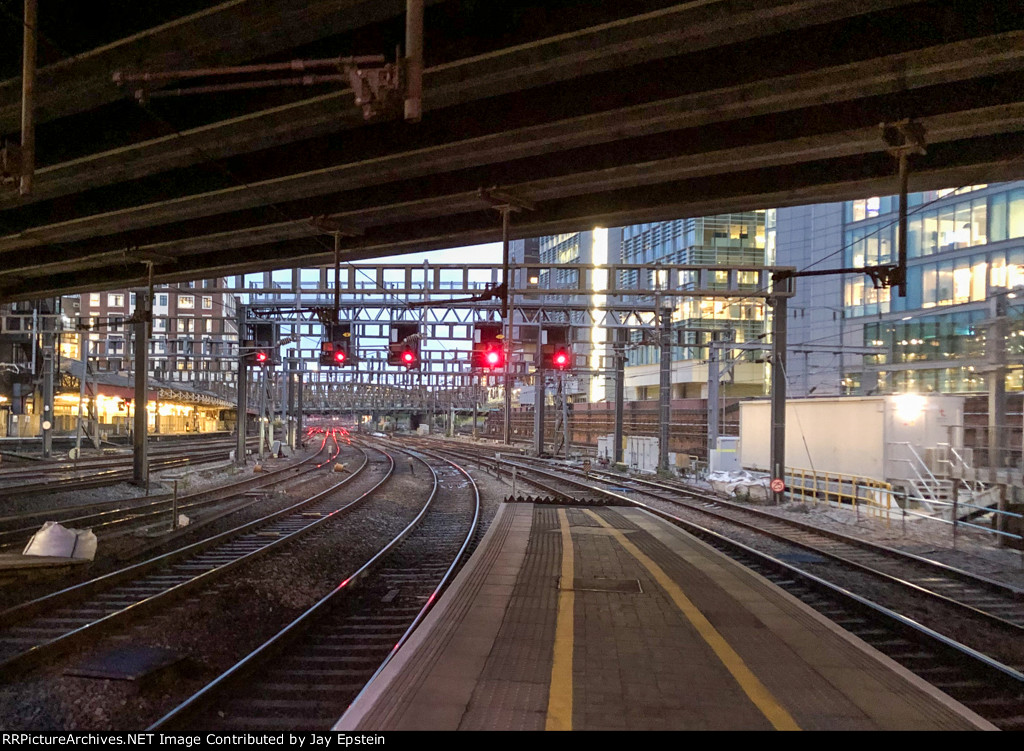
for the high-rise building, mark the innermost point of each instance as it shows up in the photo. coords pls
(737, 239)
(590, 338)
(965, 251)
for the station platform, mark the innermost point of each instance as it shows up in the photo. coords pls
(571, 618)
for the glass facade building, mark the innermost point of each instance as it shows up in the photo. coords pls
(735, 239)
(964, 247)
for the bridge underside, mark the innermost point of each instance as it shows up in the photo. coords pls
(594, 114)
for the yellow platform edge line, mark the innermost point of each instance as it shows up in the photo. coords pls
(559, 715)
(756, 691)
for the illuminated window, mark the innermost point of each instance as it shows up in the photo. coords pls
(998, 271)
(186, 301)
(94, 299)
(1015, 214)
(978, 273)
(979, 221)
(962, 284)
(207, 302)
(115, 301)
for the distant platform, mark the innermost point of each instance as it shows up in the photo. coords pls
(612, 619)
(14, 566)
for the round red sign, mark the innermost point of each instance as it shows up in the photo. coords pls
(777, 485)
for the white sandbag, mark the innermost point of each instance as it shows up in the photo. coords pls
(57, 541)
(183, 520)
(86, 548)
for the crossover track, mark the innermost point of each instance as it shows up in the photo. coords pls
(306, 675)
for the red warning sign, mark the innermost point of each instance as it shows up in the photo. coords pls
(777, 485)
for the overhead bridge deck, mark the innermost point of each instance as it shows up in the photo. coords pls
(611, 619)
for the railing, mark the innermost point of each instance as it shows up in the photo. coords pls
(875, 497)
(879, 500)
(961, 463)
(956, 523)
(931, 483)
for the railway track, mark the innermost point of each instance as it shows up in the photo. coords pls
(122, 516)
(99, 473)
(49, 626)
(989, 684)
(999, 603)
(306, 675)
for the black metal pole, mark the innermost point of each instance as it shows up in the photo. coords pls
(778, 409)
(665, 388)
(620, 394)
(139, 441)
(507, 344)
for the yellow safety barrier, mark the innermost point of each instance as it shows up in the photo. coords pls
(867, 494)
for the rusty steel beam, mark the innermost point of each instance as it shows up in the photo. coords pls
(589, 51)
(470, 229)
(941, 128)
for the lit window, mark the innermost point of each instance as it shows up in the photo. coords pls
(962, 285)
(207, 302)
(186, 301)
(94, 299)
(115, 301)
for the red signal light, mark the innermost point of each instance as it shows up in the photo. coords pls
(261, 357)
(561, 359)
(408, 357)
(339, 356)
(492, 358)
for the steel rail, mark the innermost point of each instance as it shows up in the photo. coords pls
(924, 585)
(150, 507)
(984, 684)
(440, 586)
(260, 658)
(255, 659)
(24, 660)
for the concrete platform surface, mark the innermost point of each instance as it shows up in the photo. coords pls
(570, 618)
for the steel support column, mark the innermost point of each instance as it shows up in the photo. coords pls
(995, 352)
(298, 423)
(261, 400)
(289, 402)
(48, 363)
(243, 390)
(620, 395)
(714, 355)
(538, 396)
(83, 347)
(140, 443)
(665, 388)
(505, 307)
(778, 409)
